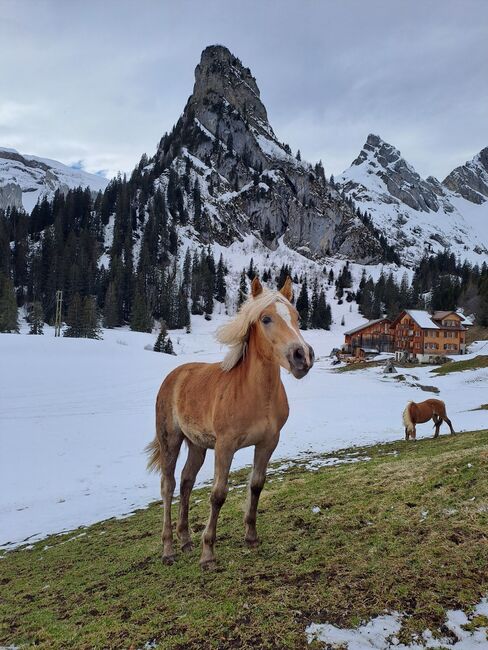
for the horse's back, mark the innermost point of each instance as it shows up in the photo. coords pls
(428, 408)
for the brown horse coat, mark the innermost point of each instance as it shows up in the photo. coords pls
(418, 413)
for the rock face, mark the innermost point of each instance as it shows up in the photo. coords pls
(247, 179)
(416, 215)
(471, 179)
(24, 179)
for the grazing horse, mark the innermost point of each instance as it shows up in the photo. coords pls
(431, 409)
(226, 406)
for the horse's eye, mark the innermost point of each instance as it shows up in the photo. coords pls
(266, 320)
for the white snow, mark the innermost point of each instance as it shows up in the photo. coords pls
(381, 633)
(75, 416)
(422, 318)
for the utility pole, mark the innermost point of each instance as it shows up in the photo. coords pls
(59, 306)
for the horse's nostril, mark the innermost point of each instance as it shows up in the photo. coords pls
(299, 354)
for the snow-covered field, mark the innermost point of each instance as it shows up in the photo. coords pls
(382, 632)
(75, 416)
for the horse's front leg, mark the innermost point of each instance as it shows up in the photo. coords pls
(262, 454)
(224, 454)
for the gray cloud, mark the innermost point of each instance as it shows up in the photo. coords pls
(100, 81)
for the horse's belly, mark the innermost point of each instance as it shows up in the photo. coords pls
(199, 437)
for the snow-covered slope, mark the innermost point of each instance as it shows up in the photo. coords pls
(81, 434)
(24, 179)
(416, 215)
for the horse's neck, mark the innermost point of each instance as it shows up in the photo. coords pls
(260, 374)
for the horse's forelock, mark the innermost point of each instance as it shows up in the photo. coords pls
(236, 332)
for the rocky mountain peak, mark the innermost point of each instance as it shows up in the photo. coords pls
(471, 179)
(399, 177)
(221, 76)
(377, 149)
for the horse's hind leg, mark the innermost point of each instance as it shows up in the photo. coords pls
(449, 423)
(437, 424)
(262, 454)
(196, 456)
(170, 448)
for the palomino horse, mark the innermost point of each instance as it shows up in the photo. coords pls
(226, 406)
(431, 409)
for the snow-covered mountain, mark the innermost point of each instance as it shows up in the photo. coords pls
(417, 215)
(233, 177)
(24, 179)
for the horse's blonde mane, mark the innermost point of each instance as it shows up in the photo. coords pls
(235, 333)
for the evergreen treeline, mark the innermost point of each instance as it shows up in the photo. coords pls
(139, 277)
(440, 282)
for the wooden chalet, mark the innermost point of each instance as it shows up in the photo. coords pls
(420, 335)
(374, 336)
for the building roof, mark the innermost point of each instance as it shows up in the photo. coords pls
(364, 325)
(440, 315)
(422, 318)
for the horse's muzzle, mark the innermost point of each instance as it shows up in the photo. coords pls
(301, 359)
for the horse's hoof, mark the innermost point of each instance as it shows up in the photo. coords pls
(208, 565)
(168, 559)
(187, 547)
(252, 543)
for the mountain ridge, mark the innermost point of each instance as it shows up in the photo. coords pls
(419, 215)
(24, 179)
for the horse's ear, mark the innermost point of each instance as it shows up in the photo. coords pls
(287, 289)
(256, 287)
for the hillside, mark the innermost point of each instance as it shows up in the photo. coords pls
(388, 548)
(24, 180)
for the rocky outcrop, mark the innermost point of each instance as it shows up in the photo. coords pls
(10, 196)
(471, 179)
(247, 178)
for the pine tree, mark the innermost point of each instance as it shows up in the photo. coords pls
(251, 272)
(242, 289)
(220, 284)
(36, 319)
(111, 317)
(303, 306)
(323, 316)
(314, 308)
(8, 306)
(141, 318)
(74, 318)
(91, 319)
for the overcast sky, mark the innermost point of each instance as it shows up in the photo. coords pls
(99, 81)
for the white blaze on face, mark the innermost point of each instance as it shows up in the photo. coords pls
(283, 311)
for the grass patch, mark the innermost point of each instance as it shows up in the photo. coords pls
(483, 407)
(405, 531)
(481, 361)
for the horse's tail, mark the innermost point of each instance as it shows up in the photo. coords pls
(153, 449)
(407, 418)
